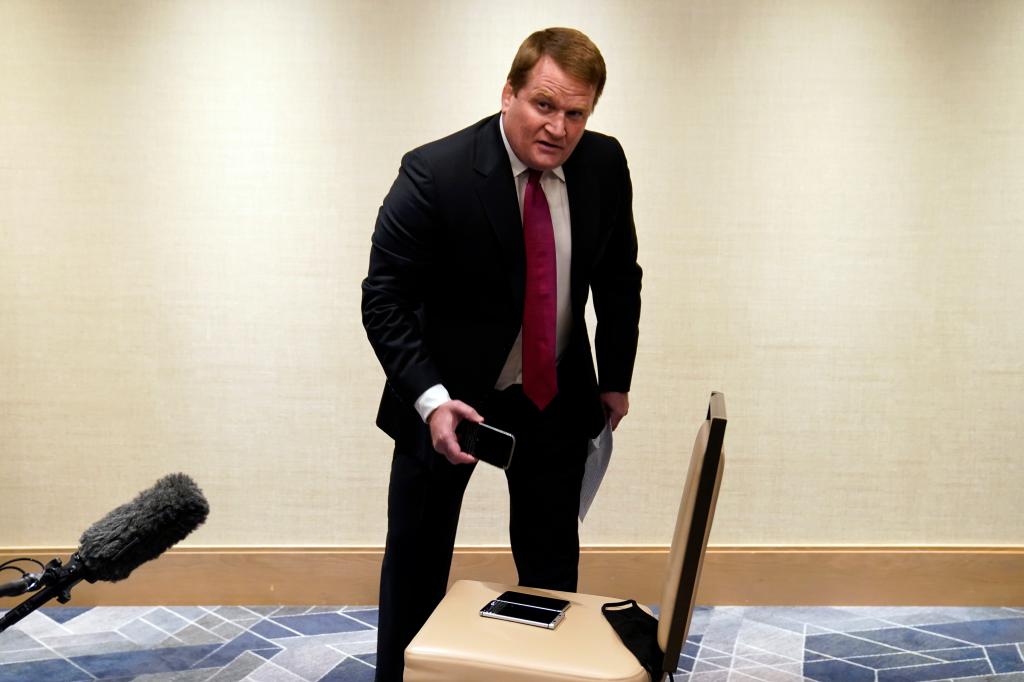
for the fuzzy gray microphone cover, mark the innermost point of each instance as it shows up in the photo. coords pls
(142, 529)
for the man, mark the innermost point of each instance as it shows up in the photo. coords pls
(482, 260)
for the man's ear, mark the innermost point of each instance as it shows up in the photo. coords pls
(506, 96)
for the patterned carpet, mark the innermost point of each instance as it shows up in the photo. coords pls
(292, 644)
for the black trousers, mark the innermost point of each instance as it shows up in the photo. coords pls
(424, 500)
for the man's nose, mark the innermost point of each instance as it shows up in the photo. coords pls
(556, 125)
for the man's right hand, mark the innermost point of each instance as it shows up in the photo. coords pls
(442, 422)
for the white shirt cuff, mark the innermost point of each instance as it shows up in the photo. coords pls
(430, 399)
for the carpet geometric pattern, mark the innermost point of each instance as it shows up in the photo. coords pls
(337, 643)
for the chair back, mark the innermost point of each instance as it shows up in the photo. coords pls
(693, 525)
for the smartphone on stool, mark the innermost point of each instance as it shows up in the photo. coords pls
(521, 613)
(535, 600)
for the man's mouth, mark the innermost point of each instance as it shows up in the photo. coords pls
(548, 145)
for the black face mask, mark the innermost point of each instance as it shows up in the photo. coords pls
(638, 630)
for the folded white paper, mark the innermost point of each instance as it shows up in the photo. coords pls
(599, 453)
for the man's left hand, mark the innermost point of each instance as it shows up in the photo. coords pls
(616, 406)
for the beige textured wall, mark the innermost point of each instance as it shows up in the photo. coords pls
(829, 198)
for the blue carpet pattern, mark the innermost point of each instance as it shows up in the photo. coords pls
(334, 644)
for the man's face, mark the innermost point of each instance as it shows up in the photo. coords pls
(546, 118)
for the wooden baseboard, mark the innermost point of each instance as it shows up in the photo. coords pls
(975, 576)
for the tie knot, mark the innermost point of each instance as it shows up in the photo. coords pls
(534, 177)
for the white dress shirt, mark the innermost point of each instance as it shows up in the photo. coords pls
(553, 184)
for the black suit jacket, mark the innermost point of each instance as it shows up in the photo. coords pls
(443, 299)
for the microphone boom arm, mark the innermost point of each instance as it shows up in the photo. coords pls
(56, 581)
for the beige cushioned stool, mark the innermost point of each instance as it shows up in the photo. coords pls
(457, 645)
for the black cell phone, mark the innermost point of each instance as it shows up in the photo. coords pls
(486, 443)
(520, 613)
(549, 603)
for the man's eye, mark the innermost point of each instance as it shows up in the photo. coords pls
(544, 106)
(575, 115)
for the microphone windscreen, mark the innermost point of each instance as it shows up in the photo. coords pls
(142, 529)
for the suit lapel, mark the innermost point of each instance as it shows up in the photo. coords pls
(496, 190)
(582, 187)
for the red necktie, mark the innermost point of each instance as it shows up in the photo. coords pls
(540, 381)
